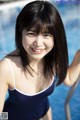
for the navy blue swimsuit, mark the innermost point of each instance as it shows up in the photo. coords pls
(21, 106)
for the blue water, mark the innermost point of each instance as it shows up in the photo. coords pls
(71, 19)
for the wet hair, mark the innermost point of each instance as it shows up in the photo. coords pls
(43, 16)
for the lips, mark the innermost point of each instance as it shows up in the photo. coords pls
(37, 51)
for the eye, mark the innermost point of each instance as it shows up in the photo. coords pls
(31, 33)
(47, 35)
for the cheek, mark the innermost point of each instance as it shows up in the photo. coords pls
(50, 43)
(26, 43)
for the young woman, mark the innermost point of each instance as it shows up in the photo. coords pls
(39, 63)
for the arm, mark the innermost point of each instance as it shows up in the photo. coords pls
(73, 71)
(3, 83)
(48, 115)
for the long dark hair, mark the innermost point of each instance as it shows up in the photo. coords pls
(42, 15)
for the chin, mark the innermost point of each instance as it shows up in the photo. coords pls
(37, 57)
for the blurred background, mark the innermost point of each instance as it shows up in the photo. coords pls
(70, 13)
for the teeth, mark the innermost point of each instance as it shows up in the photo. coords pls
(37, 50)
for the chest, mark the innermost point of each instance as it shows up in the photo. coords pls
(28, 84)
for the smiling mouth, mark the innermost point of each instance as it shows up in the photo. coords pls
(37, 51)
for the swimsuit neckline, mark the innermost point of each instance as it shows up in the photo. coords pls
(34, 94)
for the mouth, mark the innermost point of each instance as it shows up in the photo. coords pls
(37, 51)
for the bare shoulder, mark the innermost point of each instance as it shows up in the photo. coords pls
(78, 52)
(3, 66)
(4, 70)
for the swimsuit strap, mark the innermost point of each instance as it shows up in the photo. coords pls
(11, 68)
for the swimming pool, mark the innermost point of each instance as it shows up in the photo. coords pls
(71, 18)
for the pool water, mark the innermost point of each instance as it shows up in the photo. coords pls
(71, 19)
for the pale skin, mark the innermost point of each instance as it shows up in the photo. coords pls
(37, 46)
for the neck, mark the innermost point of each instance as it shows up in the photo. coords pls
(33, 69)
(36, 66)
(35, 63)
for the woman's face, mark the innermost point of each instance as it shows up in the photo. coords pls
(37, 45)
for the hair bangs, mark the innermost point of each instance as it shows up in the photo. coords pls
(40, 25)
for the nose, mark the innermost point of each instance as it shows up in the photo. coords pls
(38, 41)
